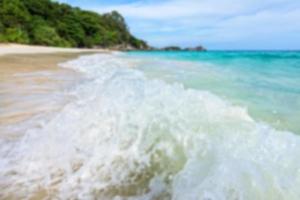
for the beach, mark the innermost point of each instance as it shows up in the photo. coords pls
(149, 100)
(7, 49)
(150, 125)
(31, 86)
(28, 76)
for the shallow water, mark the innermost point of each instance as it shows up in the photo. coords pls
(267, 83)
(31, 86)
(128, 135)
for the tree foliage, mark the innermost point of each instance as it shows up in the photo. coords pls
(45, 22)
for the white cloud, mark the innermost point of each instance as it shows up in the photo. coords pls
(168, 10)
(173, 9)
(211, 21)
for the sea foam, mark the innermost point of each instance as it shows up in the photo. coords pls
(125, 136)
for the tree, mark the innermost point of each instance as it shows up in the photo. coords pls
(46, 35)
(13, 14)
(51, 23)
(14, 35)
(72, 31)
(1, 27)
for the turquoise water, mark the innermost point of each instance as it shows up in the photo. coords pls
(267, 83)
(171, 126)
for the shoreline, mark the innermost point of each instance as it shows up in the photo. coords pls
(71, 116)
(10, 48)
(29, 81)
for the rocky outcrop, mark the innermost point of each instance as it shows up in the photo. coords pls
(129, 47)
(126, 47)
(198, 48)
(171, 48)
(176, 48)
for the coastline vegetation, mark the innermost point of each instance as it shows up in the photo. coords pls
(45, 22)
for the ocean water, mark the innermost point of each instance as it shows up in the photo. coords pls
(266, 83)
(151, 126)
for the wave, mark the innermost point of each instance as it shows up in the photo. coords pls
(125, 136)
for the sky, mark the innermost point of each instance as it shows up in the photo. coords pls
(215, 24)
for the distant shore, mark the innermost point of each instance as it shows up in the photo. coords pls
(6, 49)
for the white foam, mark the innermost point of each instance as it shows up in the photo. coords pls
(127, 137)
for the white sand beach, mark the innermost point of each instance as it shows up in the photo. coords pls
(6, 49)
(29, 78)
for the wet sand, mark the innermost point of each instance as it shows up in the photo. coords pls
(32, 86)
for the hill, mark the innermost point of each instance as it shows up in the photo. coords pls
(44, 22)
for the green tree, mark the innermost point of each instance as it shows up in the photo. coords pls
(71, 31)
(46, 35)
(1, 27)
(15, 35)
(13, 14)
(51, 23)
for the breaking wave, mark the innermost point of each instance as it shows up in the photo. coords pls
(125, 136)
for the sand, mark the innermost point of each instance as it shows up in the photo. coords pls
(32, 85)
(6, 49)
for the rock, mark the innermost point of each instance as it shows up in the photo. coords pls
(171, 48)
(198, 48)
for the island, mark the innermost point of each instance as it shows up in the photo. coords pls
(49, 23)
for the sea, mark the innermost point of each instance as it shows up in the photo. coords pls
(215, 125)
